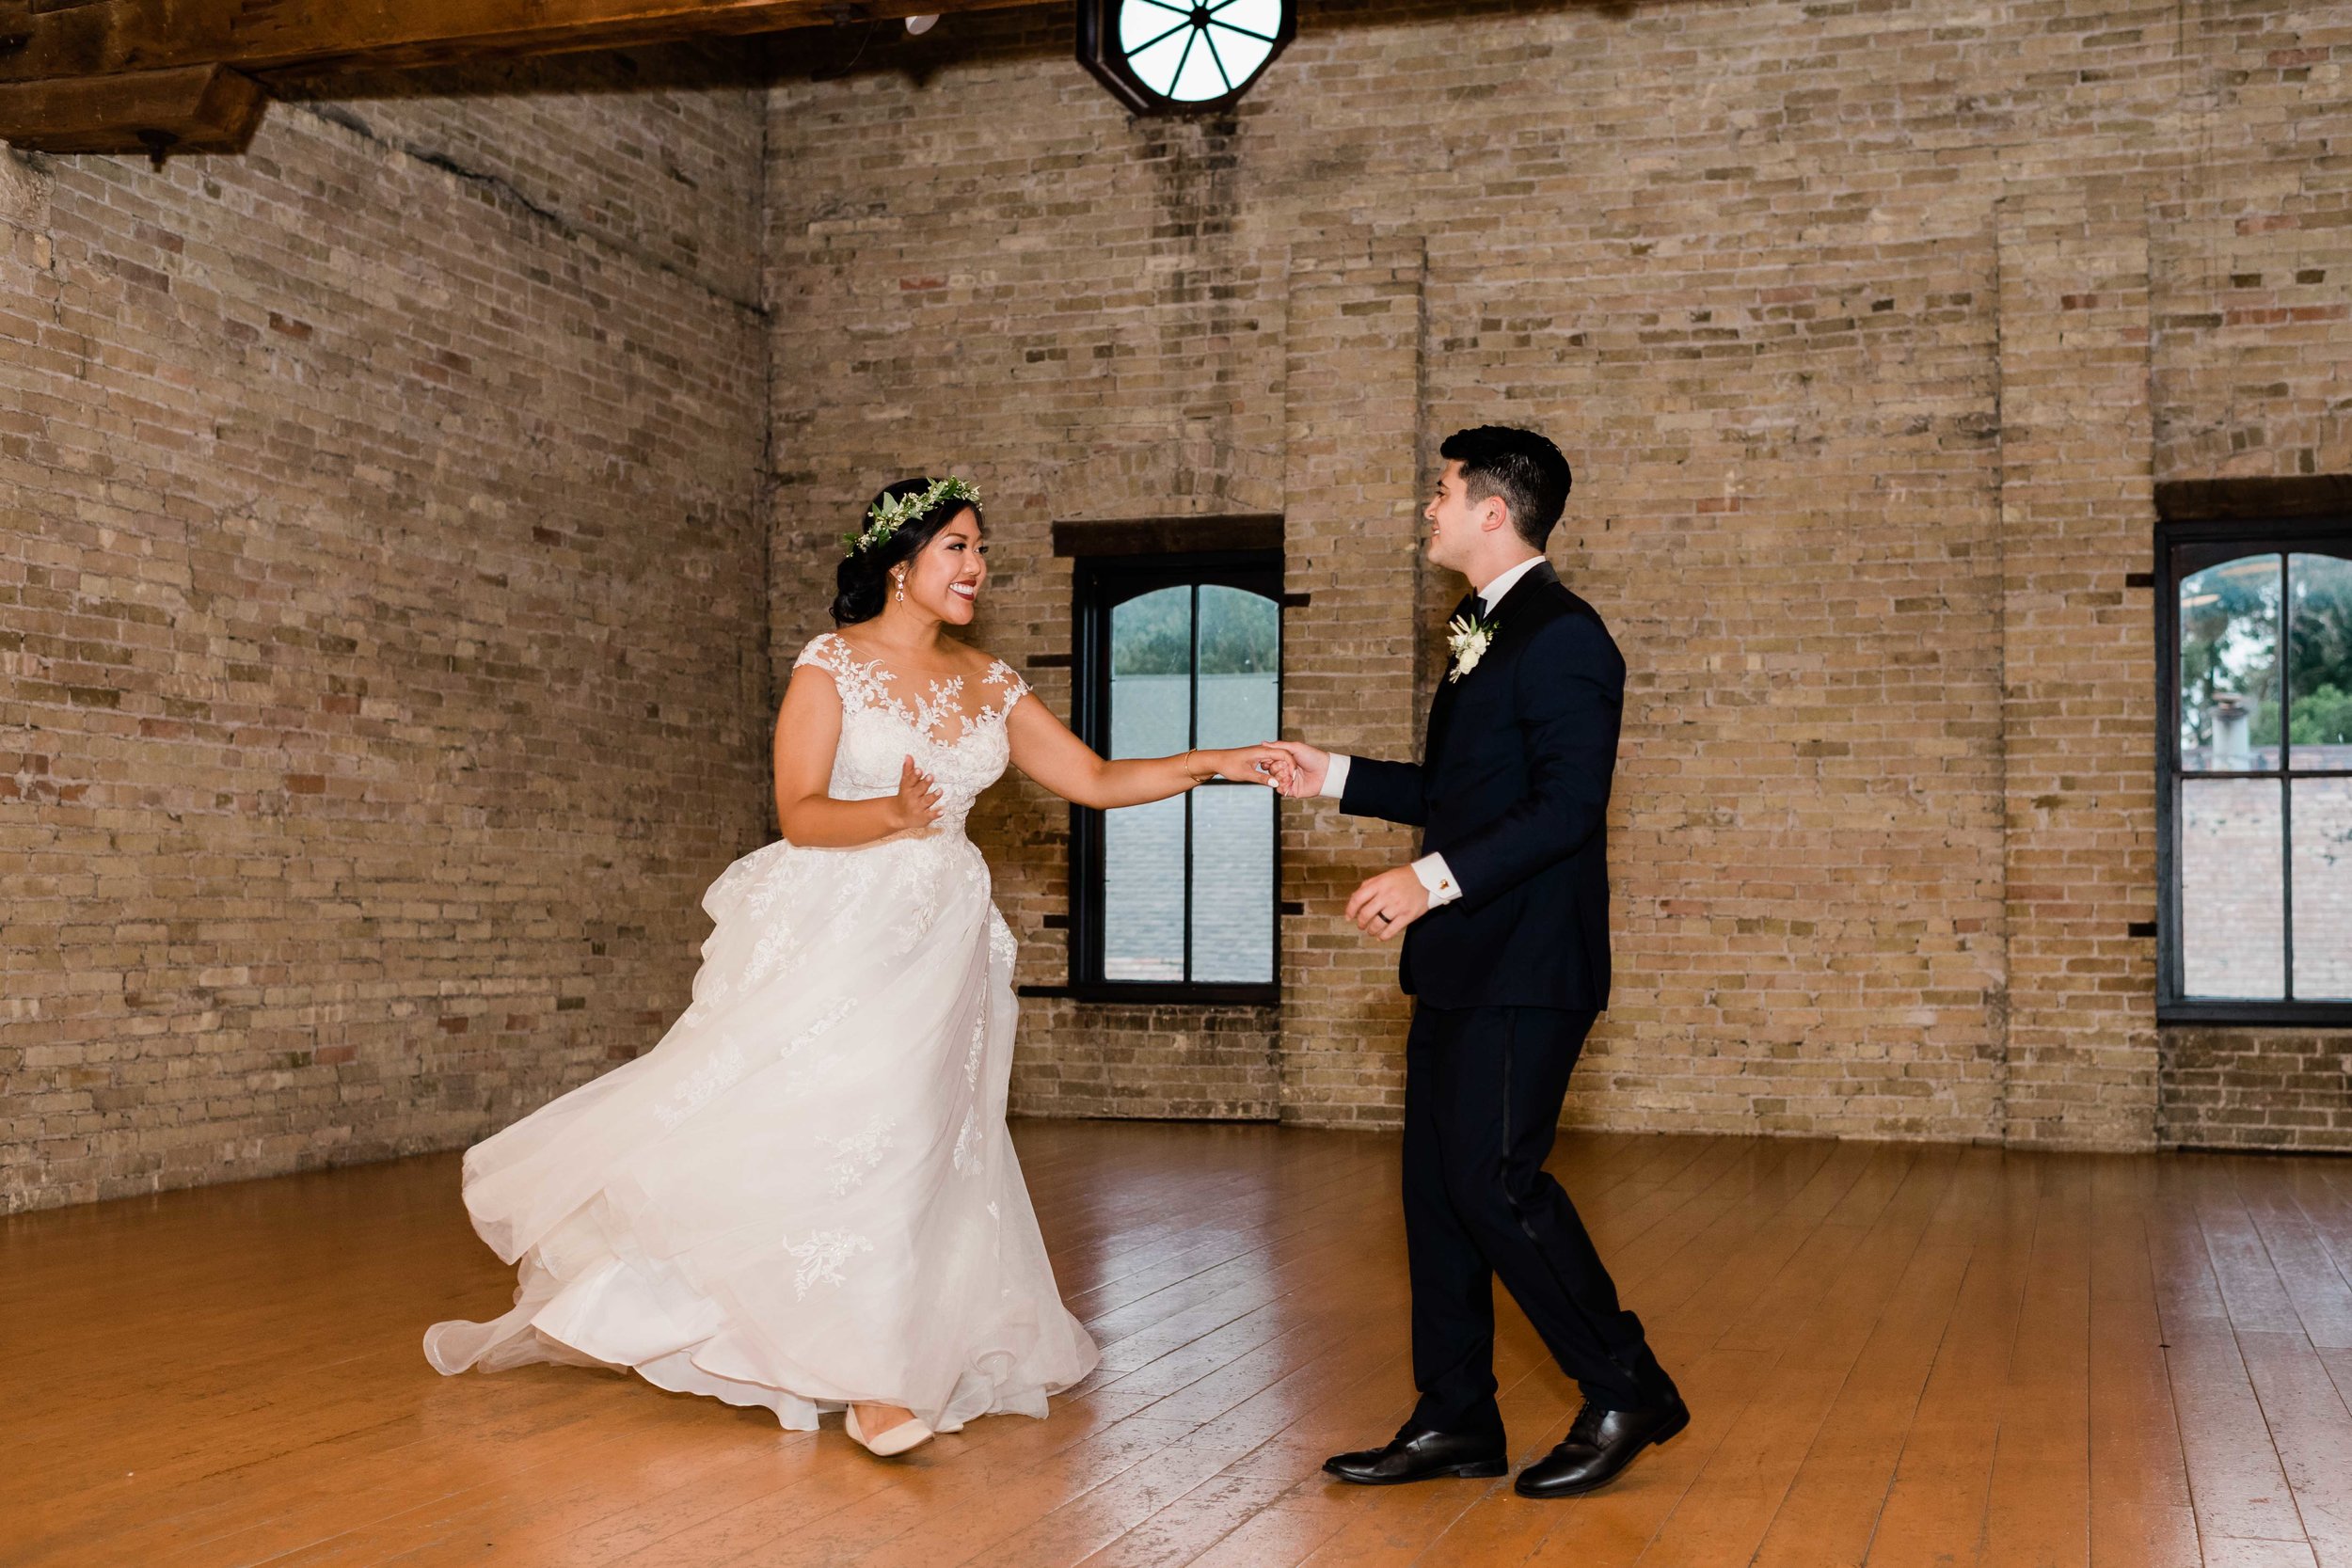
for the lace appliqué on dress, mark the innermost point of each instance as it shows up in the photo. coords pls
(831, 1016)
(857, 1155)
(820, 1258)
(802, 1072)
(695, 1089)
(859, 685)
(866, 684)
(942, 701)
(979, 1049)
(967, 1156)
(778, 945)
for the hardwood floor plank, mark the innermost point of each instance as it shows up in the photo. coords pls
(1825, 1306)
(2139, 1496)
(2255, 1298)
(2236, 1482)
(2311, 1428)
(2038, 1508)
(1831, 1507)
(1935, 1506)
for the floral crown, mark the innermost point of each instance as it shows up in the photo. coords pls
(892, 512)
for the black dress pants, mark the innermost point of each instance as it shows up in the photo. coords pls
(1483, 1087)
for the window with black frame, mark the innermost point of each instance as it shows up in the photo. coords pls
(2258, 778)
(1176, 900)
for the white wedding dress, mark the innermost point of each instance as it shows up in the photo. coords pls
(805, 1195)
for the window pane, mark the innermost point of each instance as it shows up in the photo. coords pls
(2233, 900)
(2323, 890)
(1197, 78)
(2229, 666)
(1240, 658)
(1143, 890)
(1232, 884)
(1151, 689)
(2319, 674)
(1155, 63)
(1239, 52)
(1141, 22)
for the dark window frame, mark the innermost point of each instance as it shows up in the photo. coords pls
(1100, 583)
(2241, 535)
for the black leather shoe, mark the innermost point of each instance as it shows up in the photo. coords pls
(1600, 1443)
(1420, 1455)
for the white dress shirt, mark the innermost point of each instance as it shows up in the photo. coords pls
(1432, 870)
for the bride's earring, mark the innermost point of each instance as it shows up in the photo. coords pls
(901, 594)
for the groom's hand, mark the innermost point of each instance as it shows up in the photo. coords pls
(1387, 903)
(1309, 765)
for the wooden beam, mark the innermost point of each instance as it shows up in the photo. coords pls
(2254, 498)
(88, 37)
(197, 108)
(91, 75)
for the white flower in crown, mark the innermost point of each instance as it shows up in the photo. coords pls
(1468, 638)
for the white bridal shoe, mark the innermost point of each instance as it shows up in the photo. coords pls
(899, 1439)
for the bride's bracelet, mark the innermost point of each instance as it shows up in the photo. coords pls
(1197, 778)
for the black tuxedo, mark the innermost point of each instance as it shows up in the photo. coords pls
(1515, 795)
(1513, 791)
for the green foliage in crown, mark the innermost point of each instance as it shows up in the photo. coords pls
(892, 512)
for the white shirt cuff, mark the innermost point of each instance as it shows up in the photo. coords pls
(1439, 879)
(1335, 776)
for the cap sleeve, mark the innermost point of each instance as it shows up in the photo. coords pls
(1007, 680)
(823, 651)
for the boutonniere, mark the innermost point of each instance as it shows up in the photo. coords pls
(1466, 638)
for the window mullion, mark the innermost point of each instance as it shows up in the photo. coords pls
(1192, 738)
(2286, 875)
(2286, 667)
(2286, 779)
(1095, 626)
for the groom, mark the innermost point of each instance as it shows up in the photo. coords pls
(1505, 919)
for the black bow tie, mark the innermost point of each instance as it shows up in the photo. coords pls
(1472, 605)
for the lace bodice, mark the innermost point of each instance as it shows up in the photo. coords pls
(964, 749)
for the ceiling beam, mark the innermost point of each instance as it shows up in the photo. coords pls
(190, 108)
(189, 75)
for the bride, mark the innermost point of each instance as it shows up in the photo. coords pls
(804, 1197)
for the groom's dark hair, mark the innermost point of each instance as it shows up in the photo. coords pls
(1521, 467)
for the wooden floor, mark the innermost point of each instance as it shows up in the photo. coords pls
(1895, 1354)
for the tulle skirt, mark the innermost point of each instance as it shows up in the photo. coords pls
(805, 1194)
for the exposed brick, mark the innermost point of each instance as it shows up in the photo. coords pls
(310, 752)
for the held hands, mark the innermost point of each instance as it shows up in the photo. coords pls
(1384, 904)
(1307, 766)
(915, 807)
(1387, 903)
(1266, 763)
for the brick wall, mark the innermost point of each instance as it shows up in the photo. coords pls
(1868, 330)
(2257, 1088)
(383, 663)
(2079, 712)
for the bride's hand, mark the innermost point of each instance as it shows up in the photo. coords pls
(916, 804)
(1258, 764)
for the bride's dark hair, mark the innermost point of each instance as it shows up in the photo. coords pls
(862, 582)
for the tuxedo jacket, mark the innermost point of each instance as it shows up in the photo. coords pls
(1513, 790)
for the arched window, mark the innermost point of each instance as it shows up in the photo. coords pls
(2258, 780)
(1178, 899)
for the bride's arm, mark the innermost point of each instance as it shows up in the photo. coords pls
(1043, 747)
(808, 728)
